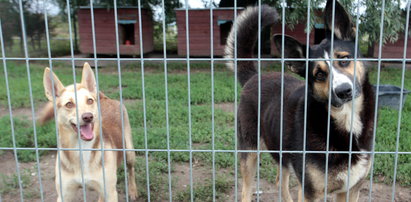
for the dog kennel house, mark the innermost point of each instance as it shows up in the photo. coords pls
(393, 50)
(199, 30)
(105, 33)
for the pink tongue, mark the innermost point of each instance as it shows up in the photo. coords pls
(86, 132)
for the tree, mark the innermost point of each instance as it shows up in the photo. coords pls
(9, 22)
(394, 22)
(33, 17)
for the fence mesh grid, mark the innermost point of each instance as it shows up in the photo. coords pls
(165, 59)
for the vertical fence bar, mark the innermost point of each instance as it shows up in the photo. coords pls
(330, 61)
(282, 100)
(189, 102)
(121, 101)
(353, 101)
(307, 51)
(376, 98)
(13, 136)
(144, 98)
(397, 143)
(75, 97)
(259, 101)
(34, 120)
(235, 105)
(93, 31)
(212, 95)
(51, 67)
(166, 101)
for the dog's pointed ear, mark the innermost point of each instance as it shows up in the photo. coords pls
(344, 28)
(51, 83)
(87, 79)
(292, 49)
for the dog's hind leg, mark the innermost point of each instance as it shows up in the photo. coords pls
(248, 164)
(285, 191)
(131, 158)
(132, 187)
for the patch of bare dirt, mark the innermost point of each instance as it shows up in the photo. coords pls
(381, 192)
(181, 175)
(226, 107)
(181, 179)
(22, 112)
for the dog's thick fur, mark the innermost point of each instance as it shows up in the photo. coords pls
(349, 86)
(89, 124)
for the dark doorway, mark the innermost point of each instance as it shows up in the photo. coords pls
(225, 27)
(319, 33)
(126, 34)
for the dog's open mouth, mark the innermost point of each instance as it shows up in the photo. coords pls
(86, 131)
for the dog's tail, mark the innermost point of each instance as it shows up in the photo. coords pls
(46, 114)
(247, 35)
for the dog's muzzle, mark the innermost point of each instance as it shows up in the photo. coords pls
(86, 127)
(344, 93)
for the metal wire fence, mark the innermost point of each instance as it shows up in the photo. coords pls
(191, 150)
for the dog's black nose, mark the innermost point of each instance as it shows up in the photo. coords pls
(344, 91)
(87, 117)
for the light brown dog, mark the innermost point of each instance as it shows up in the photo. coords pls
(88, 137)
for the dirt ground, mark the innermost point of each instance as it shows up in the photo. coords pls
(268, 191)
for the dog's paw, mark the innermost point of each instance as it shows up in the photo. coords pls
(133, 194)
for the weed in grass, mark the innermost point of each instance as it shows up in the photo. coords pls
(10, 183)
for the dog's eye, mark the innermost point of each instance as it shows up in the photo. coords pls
(344, 63)
(69, 105)
(321, 76)
(90, 101)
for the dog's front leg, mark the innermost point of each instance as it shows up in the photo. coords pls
(110, 182)
(69, 190)
(354, 194)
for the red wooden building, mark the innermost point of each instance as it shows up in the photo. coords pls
(393, 50)
(199, 30)
(105, 33)
(199, 33)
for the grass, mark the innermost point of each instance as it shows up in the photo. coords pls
(179, 136)
(58, 47)
(10, 184)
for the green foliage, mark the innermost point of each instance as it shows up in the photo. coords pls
(34, 21)
(394, 20)
(369, 20)
(11, 183)
(171, 39)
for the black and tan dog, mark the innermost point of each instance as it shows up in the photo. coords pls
(346, 92)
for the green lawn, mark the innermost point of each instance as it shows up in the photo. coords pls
(200, 84)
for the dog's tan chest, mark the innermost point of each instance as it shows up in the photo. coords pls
(337, 178)
(358, 172)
